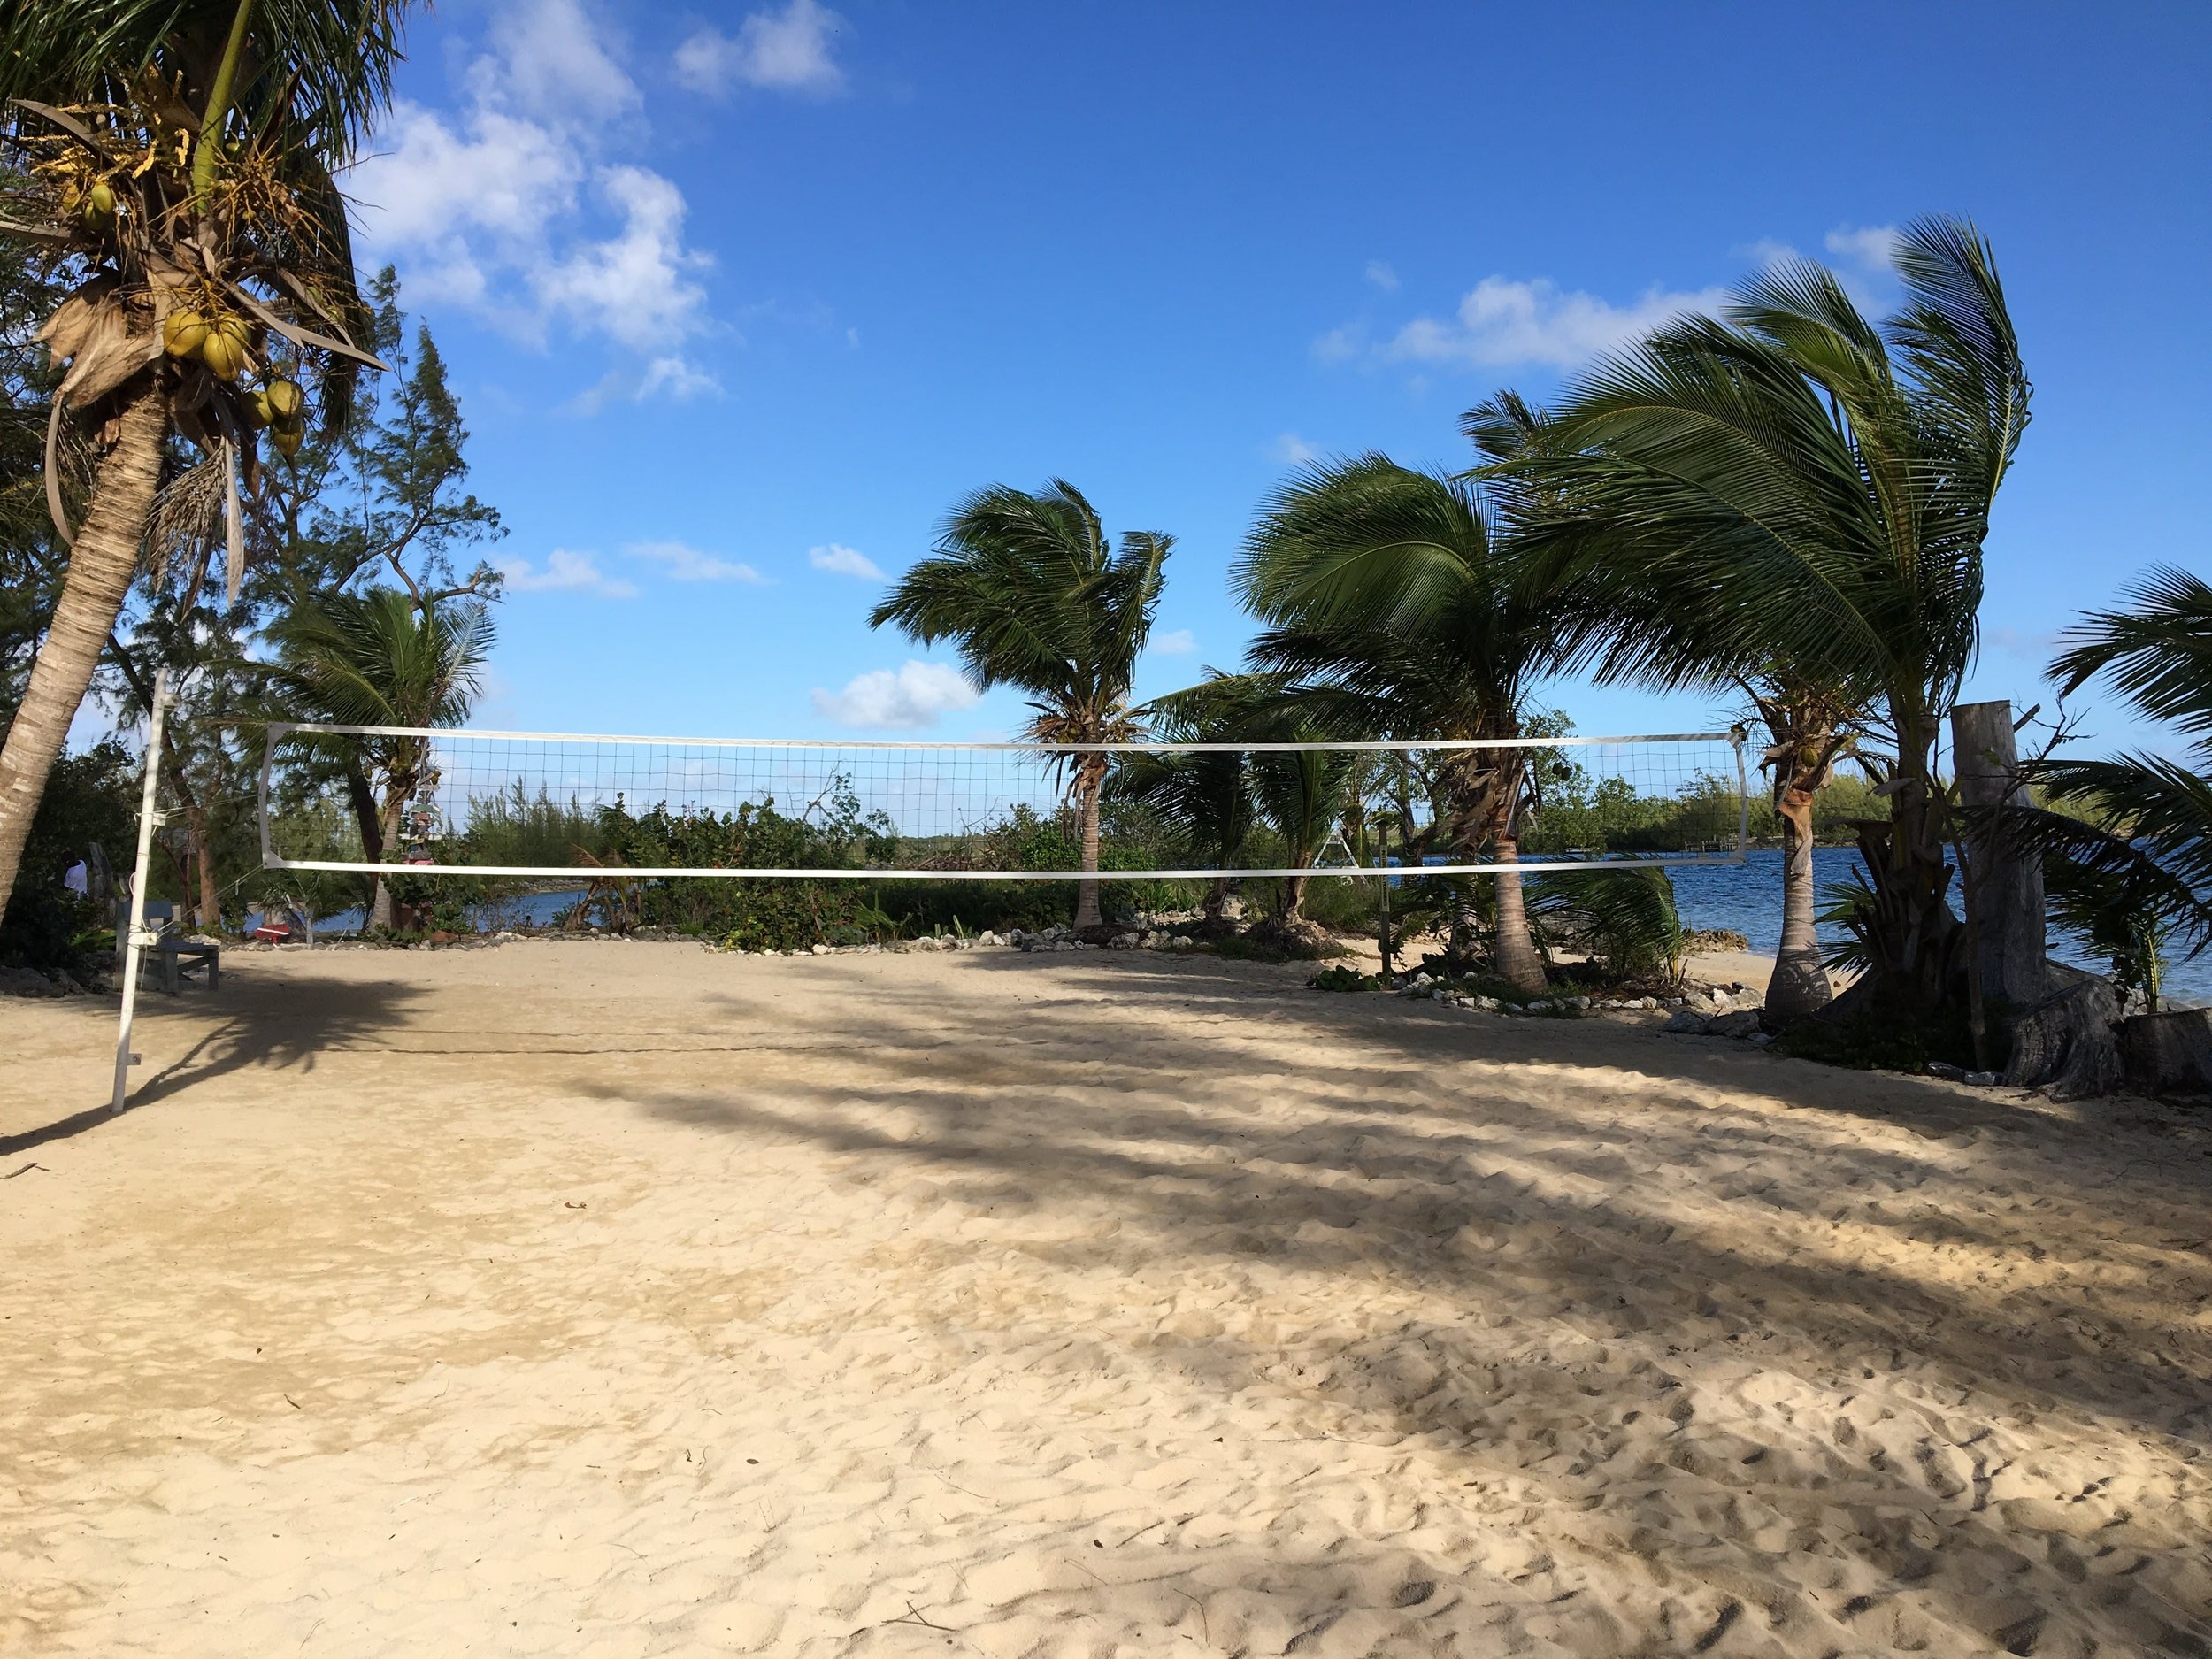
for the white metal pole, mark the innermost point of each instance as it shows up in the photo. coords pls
(136, 938)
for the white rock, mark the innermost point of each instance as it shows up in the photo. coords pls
(821, 951)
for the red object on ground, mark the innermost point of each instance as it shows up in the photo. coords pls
(273, 932)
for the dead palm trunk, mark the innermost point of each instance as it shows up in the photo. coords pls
(1799, 986)
(102, 561)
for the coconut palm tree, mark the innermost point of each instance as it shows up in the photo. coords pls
(375, 657)
(1387, 595)
(1804, 488)
(181, 154)
(1621, 620)
(1033, 596)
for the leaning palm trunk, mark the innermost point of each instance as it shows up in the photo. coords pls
(1799, 986)
(102, 561)
(1485, 824)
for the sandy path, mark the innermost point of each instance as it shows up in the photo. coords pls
(627, 1300)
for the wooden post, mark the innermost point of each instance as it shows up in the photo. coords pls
(2008, 890)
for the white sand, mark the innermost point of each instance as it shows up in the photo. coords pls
(614, 1299)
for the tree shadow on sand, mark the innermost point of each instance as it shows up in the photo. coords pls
(1596, 1270)
(247, 1024)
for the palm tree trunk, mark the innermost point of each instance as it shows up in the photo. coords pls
(101, 567)
(383, 910)
(1087, 913)
(1517, 963)
(1799, 986)
(1294, 896)
(211, 894)
(1917, 965)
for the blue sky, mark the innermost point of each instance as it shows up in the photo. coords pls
(739, 299)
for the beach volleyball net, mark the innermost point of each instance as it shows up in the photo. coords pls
(556, 806)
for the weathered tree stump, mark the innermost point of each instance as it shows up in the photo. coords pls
(2168, 1054)
(2068, 1045)
(2008, 898)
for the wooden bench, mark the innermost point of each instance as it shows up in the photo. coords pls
(178, 957)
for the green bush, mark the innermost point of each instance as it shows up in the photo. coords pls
(89, 797)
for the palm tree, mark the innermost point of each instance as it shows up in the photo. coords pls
(374, 658)
(1204, 795)
(2138, 872)
(1035, 596)
(1386, 594)
(182, 153)
(1218, 796)
(1620, 621)
(1802, 487)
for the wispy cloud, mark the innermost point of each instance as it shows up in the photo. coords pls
(1870, 246)
(565, 571)
(1293, 450)
(1182, 642)
(1502, 323)
(687, 563)
(786, 50)
(903, 699)
(844, 561)
(1380, 272)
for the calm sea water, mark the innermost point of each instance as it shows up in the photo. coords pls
(1744, 898)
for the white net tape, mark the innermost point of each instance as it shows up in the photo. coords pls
(529, 804)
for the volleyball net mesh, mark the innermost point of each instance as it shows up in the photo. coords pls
(541, 805)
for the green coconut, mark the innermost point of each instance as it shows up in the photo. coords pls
(286, 400)
(224, 355)
(183, 332)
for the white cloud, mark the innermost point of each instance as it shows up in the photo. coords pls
(1293, 450)
(1872, 247)
(687, 563)
(509, 205)
(1501, 322)
(1380, 272)
(844, 561)
(1340, 345)
(903, 699)
(565, 571)
(1182, 642)
(630, 286)
(787, 50)
(550, 61)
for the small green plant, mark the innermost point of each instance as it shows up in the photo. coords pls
(1340, 977)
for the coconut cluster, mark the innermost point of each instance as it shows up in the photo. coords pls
(222, 342)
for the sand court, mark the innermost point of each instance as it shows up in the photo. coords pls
(629, 1299)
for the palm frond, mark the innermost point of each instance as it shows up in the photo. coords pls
(2158, 651)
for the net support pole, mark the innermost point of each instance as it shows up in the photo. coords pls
(135, 937)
